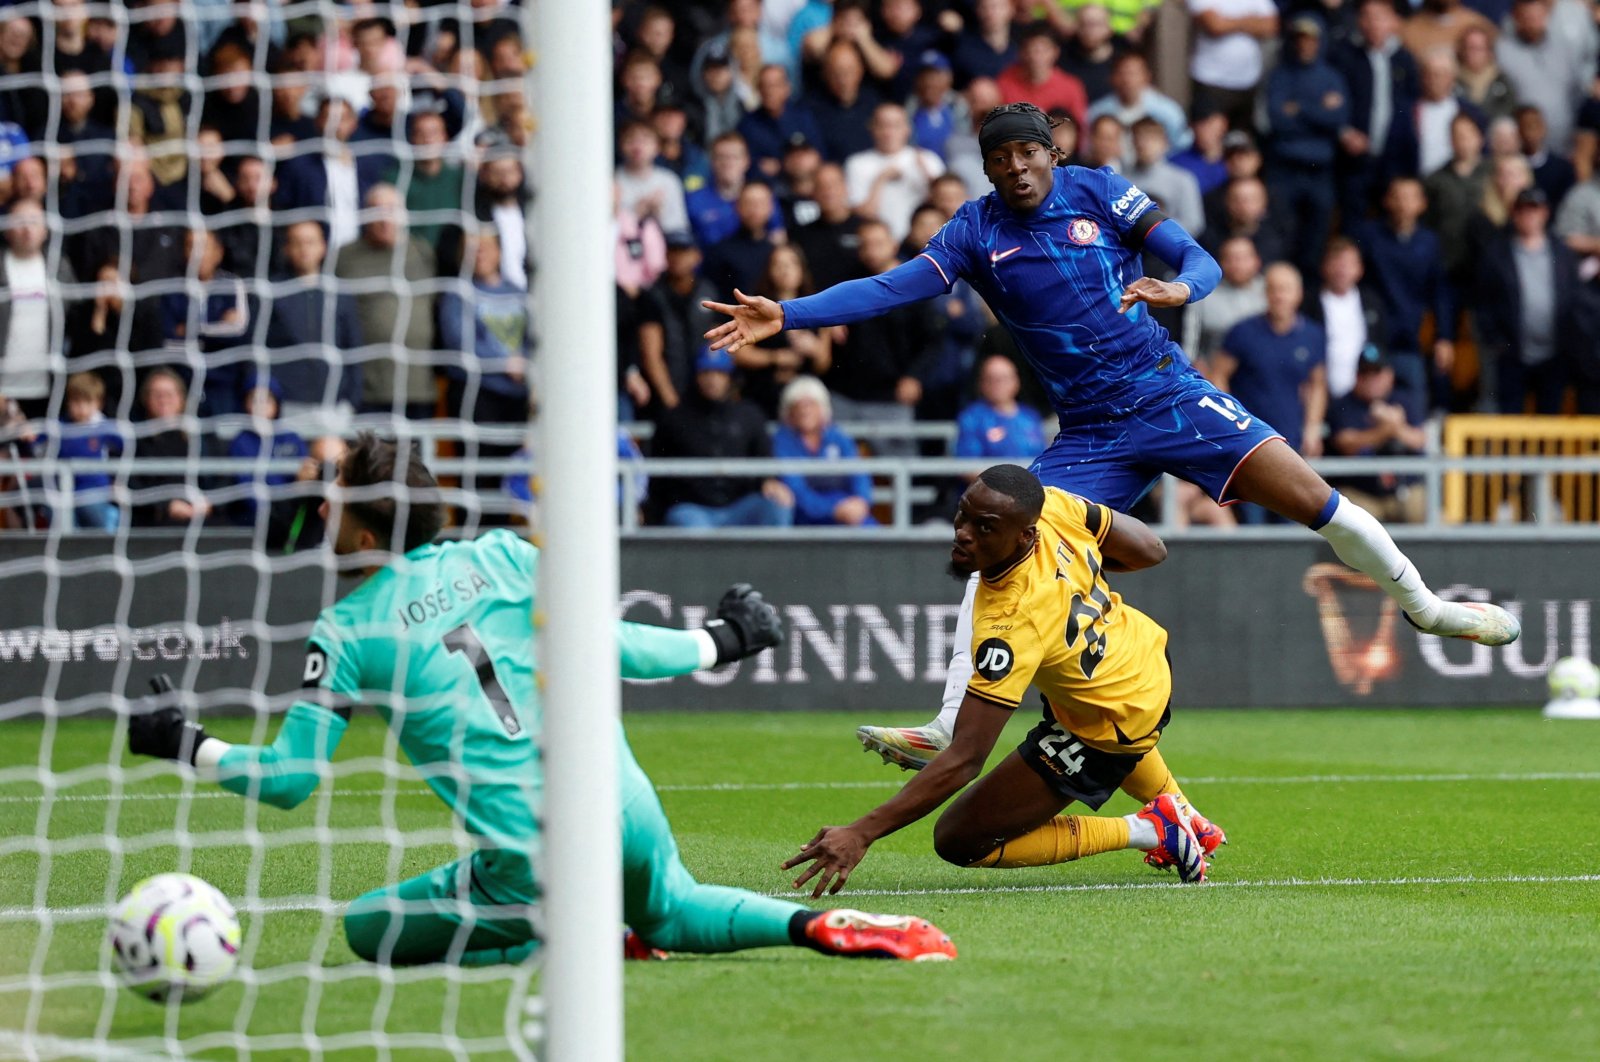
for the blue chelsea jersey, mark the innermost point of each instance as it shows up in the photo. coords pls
(1055, 278)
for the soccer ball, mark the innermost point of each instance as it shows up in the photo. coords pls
(174, 936)
(1573, 678)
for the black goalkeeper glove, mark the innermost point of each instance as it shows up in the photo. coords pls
(164, 732)
(745, 624)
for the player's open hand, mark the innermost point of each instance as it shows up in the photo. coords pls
(833, 853)
(1155, 292)
(754, 319)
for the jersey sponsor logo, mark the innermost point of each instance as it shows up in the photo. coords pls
(1131, 204)
(1082, 231)
(996, 256)
(994, 659)
(316, 667)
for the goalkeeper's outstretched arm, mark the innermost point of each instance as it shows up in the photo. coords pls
(282, 774)
(745, 625)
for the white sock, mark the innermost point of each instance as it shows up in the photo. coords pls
(1361, 542)
(960, 672)
(1141, 833)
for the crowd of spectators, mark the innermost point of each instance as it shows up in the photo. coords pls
(241, 233)
(1403, 200)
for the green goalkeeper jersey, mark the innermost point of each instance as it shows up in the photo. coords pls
(441, 643)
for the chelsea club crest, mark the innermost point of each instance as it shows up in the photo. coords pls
(1082, 231)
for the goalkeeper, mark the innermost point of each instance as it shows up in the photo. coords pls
(440, 642)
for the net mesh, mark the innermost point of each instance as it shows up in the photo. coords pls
(264, 227)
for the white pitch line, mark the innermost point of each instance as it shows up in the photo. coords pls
(295, 904)
(894, 783)
(1263, 883)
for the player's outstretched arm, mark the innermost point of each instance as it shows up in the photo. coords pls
(836, 850)
(282, 774)
(745, 624)
(855, 300)
(1130, 545)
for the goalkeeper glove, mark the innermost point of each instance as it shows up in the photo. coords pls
(745, 624)
(164, 732)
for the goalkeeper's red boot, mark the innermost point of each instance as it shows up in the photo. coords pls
(856, 935)
(635, 948)
(1208, 833)
(1175, 838)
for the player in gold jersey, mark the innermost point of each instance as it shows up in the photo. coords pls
(1043, 616)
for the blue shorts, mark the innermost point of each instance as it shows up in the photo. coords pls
(1190, 430)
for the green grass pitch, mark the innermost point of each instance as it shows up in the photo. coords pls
(1400, 884)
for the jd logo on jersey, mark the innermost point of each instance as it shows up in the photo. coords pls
(994, 659)
(316, 667)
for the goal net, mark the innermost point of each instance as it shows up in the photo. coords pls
(235, 235)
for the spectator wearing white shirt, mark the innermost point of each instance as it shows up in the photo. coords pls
(1227, 62)
(890, 180)
(27, 314)
(646, 189)
(1350, 312)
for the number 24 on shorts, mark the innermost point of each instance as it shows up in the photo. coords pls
(1062, 749)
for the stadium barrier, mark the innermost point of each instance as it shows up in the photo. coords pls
(900, 484)
(1477, 497)
(1255, 621)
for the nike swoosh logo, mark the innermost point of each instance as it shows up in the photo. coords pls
(995, 256)
(1246, 422)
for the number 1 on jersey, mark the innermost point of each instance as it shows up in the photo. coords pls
(464, 640)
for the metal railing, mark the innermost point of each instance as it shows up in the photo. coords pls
(899, 484)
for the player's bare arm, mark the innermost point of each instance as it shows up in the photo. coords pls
(1131, 545)
(836, 850)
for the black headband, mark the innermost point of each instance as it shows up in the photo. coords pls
(1006, 125)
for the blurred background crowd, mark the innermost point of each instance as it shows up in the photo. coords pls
(245, 228)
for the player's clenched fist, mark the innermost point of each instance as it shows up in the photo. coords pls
(164, 732)
(745, 624)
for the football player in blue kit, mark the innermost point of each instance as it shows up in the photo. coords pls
(1055, 250)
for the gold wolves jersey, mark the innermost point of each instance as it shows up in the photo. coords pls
(1051, 621)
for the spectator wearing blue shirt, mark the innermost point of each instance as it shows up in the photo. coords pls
(935, 110)
(713, 212)
(985, 48)
(87, 434)
(808, 431)
(1307, 104)
(996, 426)
(738, 261)
(1275, 365)
(1374, 420)
(902, 34)
(1406, 262)
(1205, 158)
(265, 439)
(779, 121)
(843, 105)
(219, 321)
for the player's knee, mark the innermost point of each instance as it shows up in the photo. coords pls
(364, 931)
(957, 846)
